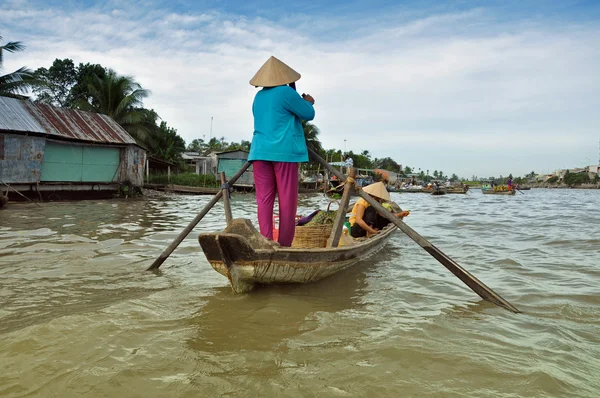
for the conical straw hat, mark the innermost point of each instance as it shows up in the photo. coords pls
(274, 73)
(378, 190)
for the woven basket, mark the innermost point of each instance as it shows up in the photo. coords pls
(308, 237)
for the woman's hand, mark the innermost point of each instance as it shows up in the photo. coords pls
(403, 214)
(309, 98)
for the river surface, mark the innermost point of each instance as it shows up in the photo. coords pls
(79, 316)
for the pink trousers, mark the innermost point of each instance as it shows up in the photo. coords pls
(279, 178)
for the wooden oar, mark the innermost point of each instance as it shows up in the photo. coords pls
(338, 223)
(472, 282)
(167, 252)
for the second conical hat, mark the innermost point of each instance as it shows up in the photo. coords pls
(274, 73)
(378, 190)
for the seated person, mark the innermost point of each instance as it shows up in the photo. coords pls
(365, 220)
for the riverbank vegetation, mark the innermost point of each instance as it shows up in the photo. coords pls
(187, 179)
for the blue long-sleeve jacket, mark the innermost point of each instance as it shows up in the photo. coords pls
(278, 134)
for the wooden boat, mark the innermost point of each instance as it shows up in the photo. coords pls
(492, 192)
(523, 188)
(248, 259)
(413, 190)
(437, 191)
(457, 190)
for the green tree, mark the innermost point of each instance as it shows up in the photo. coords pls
(576, 178)
(243, 145)
(361, 160)
(214, 145)
(119, 97)
(86, 75)
(166, 143)
(18, 82)
(407, 170)
(454, 177)
(387, 164)
(58, 80)
(197, 145)
(65, 85)
(311, 134)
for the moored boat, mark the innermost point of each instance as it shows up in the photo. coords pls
(248, 259)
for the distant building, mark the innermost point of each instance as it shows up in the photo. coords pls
(199, 163)
(231, 162)
(62, 151)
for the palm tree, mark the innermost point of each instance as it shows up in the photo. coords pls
(18, 82)
(311, 133)
(119, 97)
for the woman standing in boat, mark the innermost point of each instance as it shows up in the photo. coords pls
(365, 220)
(278, 145)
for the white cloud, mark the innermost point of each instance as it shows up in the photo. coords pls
(414, 91)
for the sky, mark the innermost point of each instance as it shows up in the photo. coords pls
(482, 88)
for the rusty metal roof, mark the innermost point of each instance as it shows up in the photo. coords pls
(26, 116)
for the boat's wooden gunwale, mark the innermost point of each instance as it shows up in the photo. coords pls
(246, 266)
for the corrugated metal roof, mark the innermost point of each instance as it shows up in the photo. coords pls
(26, 116)
(15, 117)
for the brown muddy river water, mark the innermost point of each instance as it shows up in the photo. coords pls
(79, 316)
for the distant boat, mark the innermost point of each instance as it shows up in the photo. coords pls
(494, 191)
(437, 191)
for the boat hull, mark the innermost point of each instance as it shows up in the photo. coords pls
(492, 192)
(247, 259)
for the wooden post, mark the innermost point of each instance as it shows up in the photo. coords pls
(169, 174)
(147, 171)
(226, 204)
(471, 281)
(167, 252)
(340, 217)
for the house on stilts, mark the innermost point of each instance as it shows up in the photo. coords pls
(56, 153)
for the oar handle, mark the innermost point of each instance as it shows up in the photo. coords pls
(473, 283)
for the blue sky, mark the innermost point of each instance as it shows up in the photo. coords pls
(471, 87)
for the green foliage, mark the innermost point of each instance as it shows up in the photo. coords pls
(552, 180)
(64, 84)
(311, 134)
(454, 178)
(18, 82)
(596, 178)
(576, 178)
(119, 97)
(187, 179)
(387, 164)
(164, 142)
(361, 160)
(58, 81)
